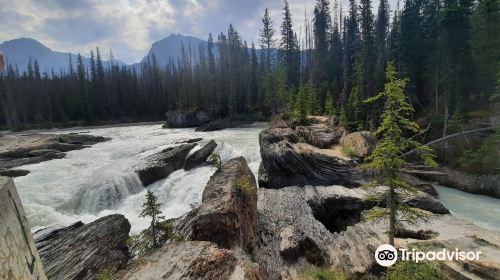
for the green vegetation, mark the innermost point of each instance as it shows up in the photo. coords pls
(448, 49)
(386, 157)
(106, 274)
(244, 187)
(215, 160)
(151, 208)
(486, 159)
(405, 270)
(348, 151)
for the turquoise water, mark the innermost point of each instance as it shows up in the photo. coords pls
(481, 210)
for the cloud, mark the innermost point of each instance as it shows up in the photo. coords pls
(129, 27)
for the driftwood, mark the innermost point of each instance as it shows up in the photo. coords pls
(451, 136)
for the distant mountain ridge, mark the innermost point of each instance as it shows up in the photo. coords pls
(18, 53)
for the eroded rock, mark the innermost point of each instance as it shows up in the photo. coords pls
(180, 119)
(82, 251)
(362, 142)
(321, 136)
(162, 164)
(285, 162)
(227, 215)
(200, 156)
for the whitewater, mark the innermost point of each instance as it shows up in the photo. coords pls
(99, 181)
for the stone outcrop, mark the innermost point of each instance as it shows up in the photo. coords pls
(180, 119)
(18, 256)
(162, 164)
(215, 125)
(362, 142)
(286, 162)
(321, 226)
(20, 150)
(200, 156)
(192, 260)
(476, 184)
(227, 215)
(320, 136)
(83, 251)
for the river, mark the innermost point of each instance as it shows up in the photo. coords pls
(482, 210)
(98, 181)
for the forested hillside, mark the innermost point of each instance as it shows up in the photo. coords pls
(448, 49)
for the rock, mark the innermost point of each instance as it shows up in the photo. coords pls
(476, 184)
(227, 215)
(14, 172)
(322, 226)
(42, 152)
(17, 150)
(162, 164)
(423, 186)
(321, 137)
(285, 162)
(83, 251)
(192, 260)
(81, 139)
(193, 140)
(180, 119)
(333, 121)
(200, 156)
(361, 142)
(215, 125)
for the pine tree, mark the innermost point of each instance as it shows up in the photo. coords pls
(329, 106)
(381, 33)
(151, 208)
(289, 51)
(387, 156)
(321, 29)
(267, 40)
(301, 110)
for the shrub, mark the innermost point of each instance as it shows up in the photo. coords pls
(405, 270)
(348, 151)
(215, 161)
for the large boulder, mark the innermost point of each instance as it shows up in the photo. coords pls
(215, 125)
(83, 251)
(192, 260)
(320, 136)
(180, 119)
(200, 156)
(227, 215)
(286, 162)
(362, 142)
(162, 164)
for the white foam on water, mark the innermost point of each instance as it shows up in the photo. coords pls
(98, 181)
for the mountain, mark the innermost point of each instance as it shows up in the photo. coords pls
(18, 52)
(171, 47)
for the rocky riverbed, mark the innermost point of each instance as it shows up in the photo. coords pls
(309, 211)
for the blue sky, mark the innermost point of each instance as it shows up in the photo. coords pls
(129, 27)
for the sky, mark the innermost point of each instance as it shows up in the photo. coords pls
(129, 27)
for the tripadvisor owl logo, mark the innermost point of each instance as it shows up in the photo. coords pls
(386, 255)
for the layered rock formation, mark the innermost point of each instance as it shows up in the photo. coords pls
(162, 164)
(180, 119)
(228, 212)
(287, 162)
(321, 226)
(18, 150)
(200, 156)
(320, 136)
(83, 251)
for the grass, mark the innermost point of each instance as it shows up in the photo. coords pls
(244, 187)
(405, 270)
(106, 274)
(348, 151)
